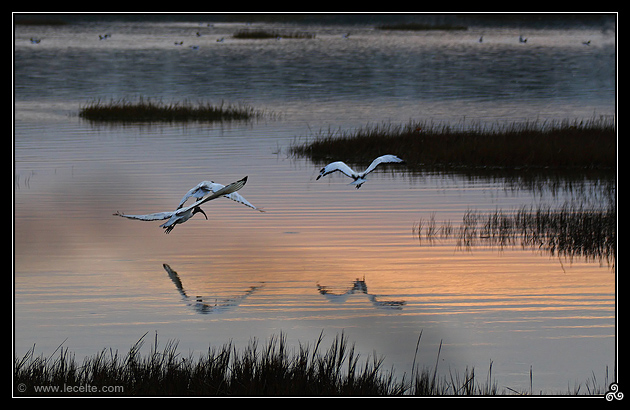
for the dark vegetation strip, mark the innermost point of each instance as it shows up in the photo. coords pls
(267, 34)
(569, 145)
(270, 370)
(147, 110)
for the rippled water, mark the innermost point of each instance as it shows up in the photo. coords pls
(324, 256)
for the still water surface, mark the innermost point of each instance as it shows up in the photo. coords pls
(324, 256)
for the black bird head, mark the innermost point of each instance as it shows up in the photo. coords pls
(197, 209)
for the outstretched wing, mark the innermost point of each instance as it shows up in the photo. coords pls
(235, 196)
(381, 160)
(233, 187)
(158, 216)
(205, 187)
(199, 191)
(183, 214)
(337, 166)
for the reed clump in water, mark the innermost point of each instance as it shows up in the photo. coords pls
(267, 34)
(569, 231)
(565, 145)
(147, 110)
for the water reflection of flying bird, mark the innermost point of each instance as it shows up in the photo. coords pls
(181, 215)
(205, 187)
(205, 307)
(359, 177)
(359, 286)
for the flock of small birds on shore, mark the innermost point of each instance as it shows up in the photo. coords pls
(33, 40)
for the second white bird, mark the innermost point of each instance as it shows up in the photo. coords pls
(359, 177)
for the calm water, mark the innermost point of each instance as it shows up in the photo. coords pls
(324, 256)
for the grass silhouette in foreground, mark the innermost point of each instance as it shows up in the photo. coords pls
(270, 370)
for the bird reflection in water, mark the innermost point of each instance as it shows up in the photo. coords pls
(359, 286)
(206, 306)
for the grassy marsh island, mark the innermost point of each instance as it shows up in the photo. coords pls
(566, 145)
(267, 34)
(147, 110)
(270, 370)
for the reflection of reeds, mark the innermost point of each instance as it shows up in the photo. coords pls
(568, 231)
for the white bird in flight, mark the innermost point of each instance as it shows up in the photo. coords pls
(205, 187)
(181, 215)
(359, 177)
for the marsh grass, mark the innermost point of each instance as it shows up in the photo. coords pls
(569, 231)
(270, 370)
(565, 145)
(148, 110)
(273, 369)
